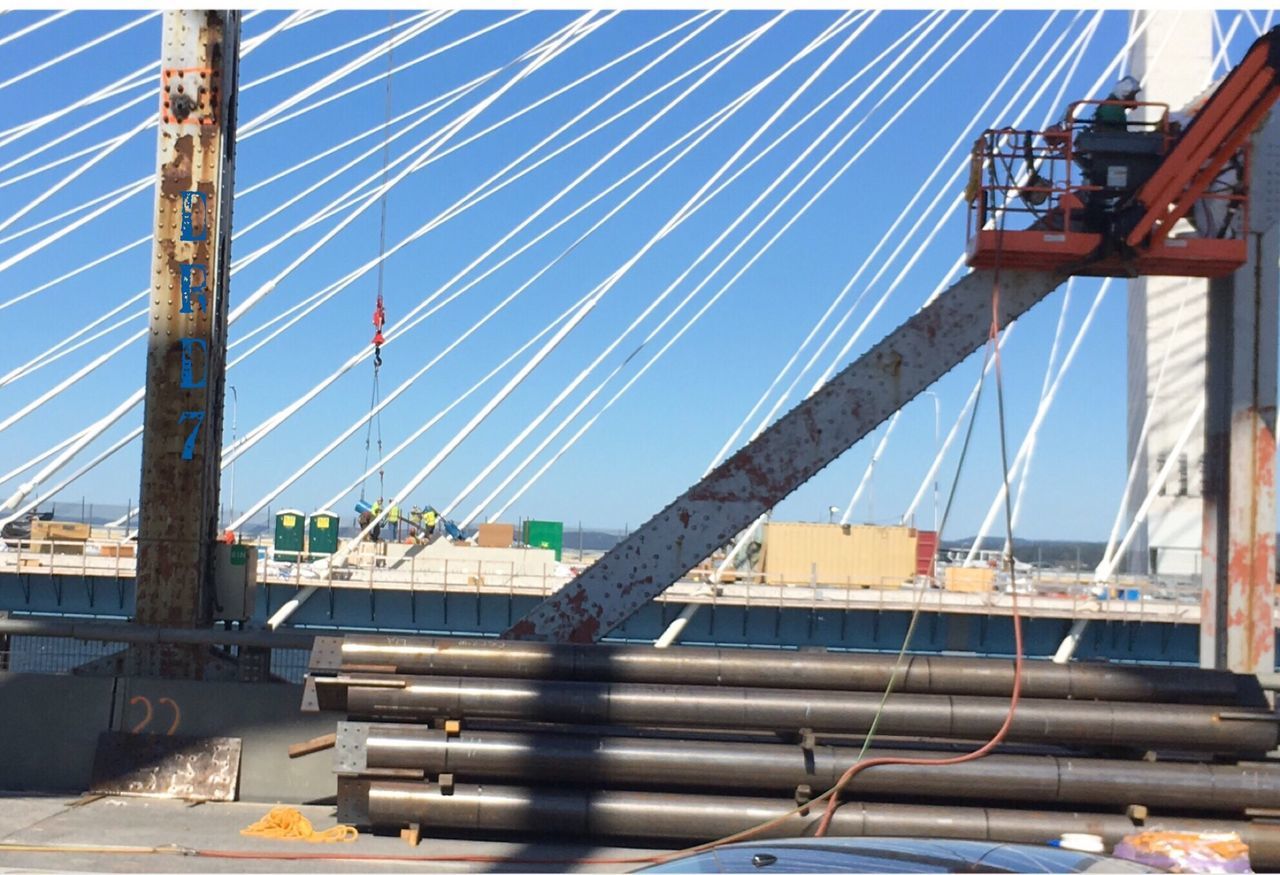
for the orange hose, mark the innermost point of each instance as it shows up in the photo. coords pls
(834, 801)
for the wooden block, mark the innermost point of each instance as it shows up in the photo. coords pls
(319, 743)
(412, 834)
(495, 535)
(53, 530)
(452, 728)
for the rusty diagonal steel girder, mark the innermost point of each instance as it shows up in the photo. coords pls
(791, 451)
(186, 352)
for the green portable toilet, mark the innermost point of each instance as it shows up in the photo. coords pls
(291, 533)
(544, 534)
(322, 532)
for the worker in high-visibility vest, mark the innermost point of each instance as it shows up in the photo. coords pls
(429, 518)
(393, 519)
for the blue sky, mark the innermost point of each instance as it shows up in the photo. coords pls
(663, 432)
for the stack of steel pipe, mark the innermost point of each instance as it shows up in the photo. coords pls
(688, 744)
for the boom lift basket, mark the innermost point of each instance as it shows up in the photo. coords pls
(1070, 192)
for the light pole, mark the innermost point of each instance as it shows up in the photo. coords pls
(937, 420)
(831, 514)
(231, 502)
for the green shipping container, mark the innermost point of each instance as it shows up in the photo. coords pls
(291, 533)
(322, 531)
(547, 535)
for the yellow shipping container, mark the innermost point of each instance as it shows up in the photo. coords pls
(961, 579)
(880, 557)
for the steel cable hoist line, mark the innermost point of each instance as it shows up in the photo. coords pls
(1106, 198)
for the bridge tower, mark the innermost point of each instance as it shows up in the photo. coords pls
(1173, 58)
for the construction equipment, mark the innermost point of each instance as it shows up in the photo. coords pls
(1151, 178)
(1108, 194)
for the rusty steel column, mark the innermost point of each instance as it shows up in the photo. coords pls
(186, 354)
(796, 447)
(1237, 622)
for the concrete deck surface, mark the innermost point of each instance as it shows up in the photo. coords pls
(66, 822)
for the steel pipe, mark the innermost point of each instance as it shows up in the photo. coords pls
(1094, 724)
(486, 657)
(678, 764)
(135, 633)
(697, 818)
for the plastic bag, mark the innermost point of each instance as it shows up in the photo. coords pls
(1186, 851)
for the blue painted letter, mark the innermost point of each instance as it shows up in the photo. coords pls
(192, 229)
(189, 445)
(188, 378)
(188, 287)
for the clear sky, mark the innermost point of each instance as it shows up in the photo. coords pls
(662, 433)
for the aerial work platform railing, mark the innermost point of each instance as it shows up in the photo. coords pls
(1065, 187)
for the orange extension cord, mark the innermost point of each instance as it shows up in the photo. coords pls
(834, 802)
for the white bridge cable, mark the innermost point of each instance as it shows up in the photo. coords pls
(412, 318)
(597, 294)
(693, 204)
(71, 177)
(70, 211)
(234, 450)
(49, 357)
(142, 77)
(708, 123)
(714, 298)
(475, 196)
(418, 25)
(1042, 411)
(71, 53)
(135, 188)
(40, 457)
(551, 47)
(102, 259)
(1224, 45)
(959, 142)
(763, 423)
(317, 299)
(354, 192)
(940, 223)
(243, 307)
(662, 351)
(870, 470)
(140, 185)
(147, 183)
(246, 49)
(34, 26)
(267, 124)
(307, 62)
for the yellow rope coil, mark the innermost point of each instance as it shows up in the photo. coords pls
(283, 822)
